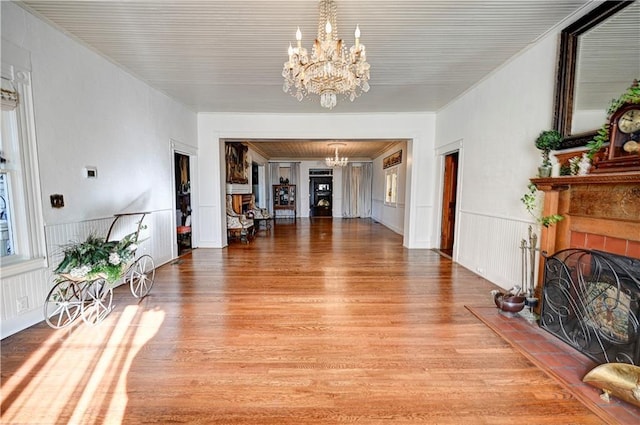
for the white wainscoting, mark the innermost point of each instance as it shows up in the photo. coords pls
(390, 217)
(209, 227)
(157, 242)
(420, 234)
(490, 246)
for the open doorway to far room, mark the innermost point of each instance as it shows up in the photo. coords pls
(321, 193)
(183, 202)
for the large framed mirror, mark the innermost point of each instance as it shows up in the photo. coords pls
(599, 57)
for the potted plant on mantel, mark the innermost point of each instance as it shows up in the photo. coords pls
(547, 141)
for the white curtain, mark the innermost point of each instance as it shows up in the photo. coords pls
(272, 179)
(294, 175)
(356, 190)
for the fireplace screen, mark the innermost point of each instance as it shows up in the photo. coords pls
(590, 301)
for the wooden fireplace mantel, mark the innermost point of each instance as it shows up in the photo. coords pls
(601, 211)
(567, 181)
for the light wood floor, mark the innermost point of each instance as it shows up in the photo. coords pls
(319, 322)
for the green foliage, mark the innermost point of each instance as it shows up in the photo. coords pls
(632, 95)
(594, 145)
(547, 141)
(550, 220)
(95, 257)
(530, 201)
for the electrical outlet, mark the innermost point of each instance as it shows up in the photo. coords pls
(23, 303)
(91, 172)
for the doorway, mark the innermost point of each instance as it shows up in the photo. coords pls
(258, 185)
(183, 202)
(321, 196)
(449, 200)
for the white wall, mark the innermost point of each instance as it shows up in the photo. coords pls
(390, 216)
(496, 124)
(91, 113)
(418, 127)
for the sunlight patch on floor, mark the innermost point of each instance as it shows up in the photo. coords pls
(72, 373)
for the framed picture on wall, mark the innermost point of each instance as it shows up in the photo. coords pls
(391, 160)
(237, 163)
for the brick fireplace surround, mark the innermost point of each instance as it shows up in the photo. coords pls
(602, 212)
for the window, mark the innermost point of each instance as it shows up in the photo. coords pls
(7, 246)
(21, 226)
(391, 187)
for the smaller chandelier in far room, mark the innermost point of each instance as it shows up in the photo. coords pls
(336, 161)
(330, 70)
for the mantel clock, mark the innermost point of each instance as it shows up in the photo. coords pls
(624, 141)
(624, 129)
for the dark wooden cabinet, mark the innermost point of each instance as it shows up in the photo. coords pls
(284, 198)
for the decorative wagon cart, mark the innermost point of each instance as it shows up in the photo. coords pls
(89, 270)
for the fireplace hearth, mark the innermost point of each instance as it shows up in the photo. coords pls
(591, 301)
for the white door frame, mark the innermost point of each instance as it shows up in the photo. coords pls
(441, 152)
(192, 153)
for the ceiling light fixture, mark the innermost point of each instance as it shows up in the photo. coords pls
(331, 70)
(336, 161)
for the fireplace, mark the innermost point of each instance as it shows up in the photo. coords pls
(601, 212)
(591, 301)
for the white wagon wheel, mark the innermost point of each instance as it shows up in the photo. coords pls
(97, 299)
(63, 304)
(141, 276)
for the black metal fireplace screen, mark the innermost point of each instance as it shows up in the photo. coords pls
(590, 300)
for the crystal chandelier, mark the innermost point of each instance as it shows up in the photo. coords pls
(336, 161)
(330, 70)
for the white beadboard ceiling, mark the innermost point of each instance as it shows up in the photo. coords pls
(227, 56)
(299, 149)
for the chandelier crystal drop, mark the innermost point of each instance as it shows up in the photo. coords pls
(336, 161)
(331, 69)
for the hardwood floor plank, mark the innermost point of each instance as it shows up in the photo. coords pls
(316, 322)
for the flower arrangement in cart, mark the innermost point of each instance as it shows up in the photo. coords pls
(96, 257)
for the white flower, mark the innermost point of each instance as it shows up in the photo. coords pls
(79, 271)
(114, 258)
(133, 247)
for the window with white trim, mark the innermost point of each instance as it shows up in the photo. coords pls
(391, 187)
(22, 245)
